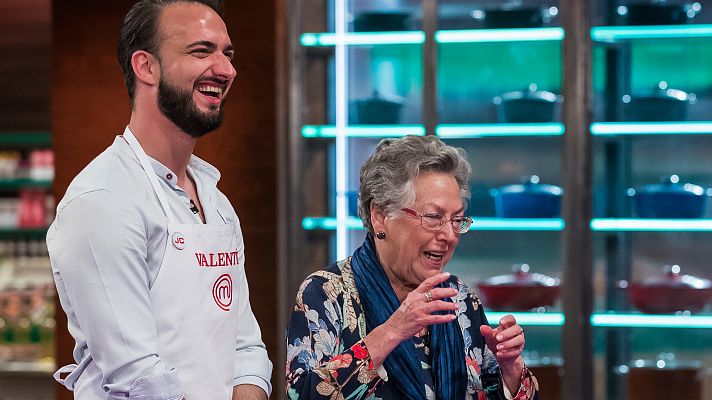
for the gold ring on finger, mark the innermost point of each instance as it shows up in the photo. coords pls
(428, 296)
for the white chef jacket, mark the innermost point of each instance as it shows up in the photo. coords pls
(106, 246)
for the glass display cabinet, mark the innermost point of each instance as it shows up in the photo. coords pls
(495, 78)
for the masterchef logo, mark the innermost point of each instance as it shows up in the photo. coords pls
(219, 259)
(222, 292)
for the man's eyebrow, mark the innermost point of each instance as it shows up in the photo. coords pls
(210, 45)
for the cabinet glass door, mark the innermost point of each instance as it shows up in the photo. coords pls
(652, 175)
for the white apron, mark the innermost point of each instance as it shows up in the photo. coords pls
(193, 300)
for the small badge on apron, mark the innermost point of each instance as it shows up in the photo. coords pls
(222, 292)
(178, 241)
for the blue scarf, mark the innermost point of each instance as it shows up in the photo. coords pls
(402, 365)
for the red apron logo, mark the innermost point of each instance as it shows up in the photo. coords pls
(178, 240)
(222, 292)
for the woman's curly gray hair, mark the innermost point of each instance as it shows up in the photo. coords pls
(388, 175)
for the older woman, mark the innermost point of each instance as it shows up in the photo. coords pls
(387, 323)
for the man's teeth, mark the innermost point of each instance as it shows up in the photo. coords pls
(433, 256)
(210, 89)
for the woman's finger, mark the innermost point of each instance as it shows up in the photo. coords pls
(433, 281)
(439, 305)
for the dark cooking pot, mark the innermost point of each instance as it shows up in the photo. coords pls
(378, 110)
(659, 13)
(669, 199)
(682, 378)
(671, 292)
(519, 291)
(530, 199)
(662, 104)
(374, 21)
(530, 105)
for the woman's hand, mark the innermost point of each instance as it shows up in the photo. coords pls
(416, 311)
(414, 315)
(506, 342)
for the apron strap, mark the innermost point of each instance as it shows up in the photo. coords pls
(150, 172)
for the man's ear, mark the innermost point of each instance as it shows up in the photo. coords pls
(146, 68)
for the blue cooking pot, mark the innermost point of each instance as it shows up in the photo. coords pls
(530, 199)
(669, 199)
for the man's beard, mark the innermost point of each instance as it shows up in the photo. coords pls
(178, 106)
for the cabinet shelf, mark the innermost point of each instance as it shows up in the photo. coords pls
(609, 319)
(22, 183)
(633, 320)
(25, 139)
(445, 131)
(651, 128)
(363, 131)
(500, 35)
(479, 224)
(650, 225)
(362, 38)
(24, 232)
(444, 36)
(465, 131)
(612, 34)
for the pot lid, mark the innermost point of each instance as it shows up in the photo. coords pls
(521, 277)
(530, 93)
(670, 184)
(662, 91)
(662, 361)
(531, 184)
(378, 98)
(672, 278)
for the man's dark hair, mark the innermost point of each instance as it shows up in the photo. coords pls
(139, 31)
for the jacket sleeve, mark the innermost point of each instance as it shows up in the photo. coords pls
(97, 248)
(321, 360)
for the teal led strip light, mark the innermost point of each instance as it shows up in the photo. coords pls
(614, 33)
(528, 318)
(651, 128)
(613, 320)
(362, 38)
(363, 131)
(500, 35)
(651, 321)
(479, 224)
(651, 225)
(459, 131)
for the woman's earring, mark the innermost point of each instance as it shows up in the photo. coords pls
(381, 235)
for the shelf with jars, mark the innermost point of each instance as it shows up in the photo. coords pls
(26, 287)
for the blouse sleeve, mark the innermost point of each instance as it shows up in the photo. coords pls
(326, 359)
(487, 366)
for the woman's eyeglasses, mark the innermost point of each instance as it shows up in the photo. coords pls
(435, 222)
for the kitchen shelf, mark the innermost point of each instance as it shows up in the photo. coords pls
(479, 224)
(362, 131)
(444, 36)
(651, 128)
(650, 225)
(25, 139)
(612, 34)
(500, 35)
(609, 319)
(362, 38)
(633, 320)
(22, 183)
(15, 232)
(43, 368)
(528, 318)
(466, 131)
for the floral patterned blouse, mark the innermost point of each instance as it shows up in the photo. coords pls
(327, 358)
